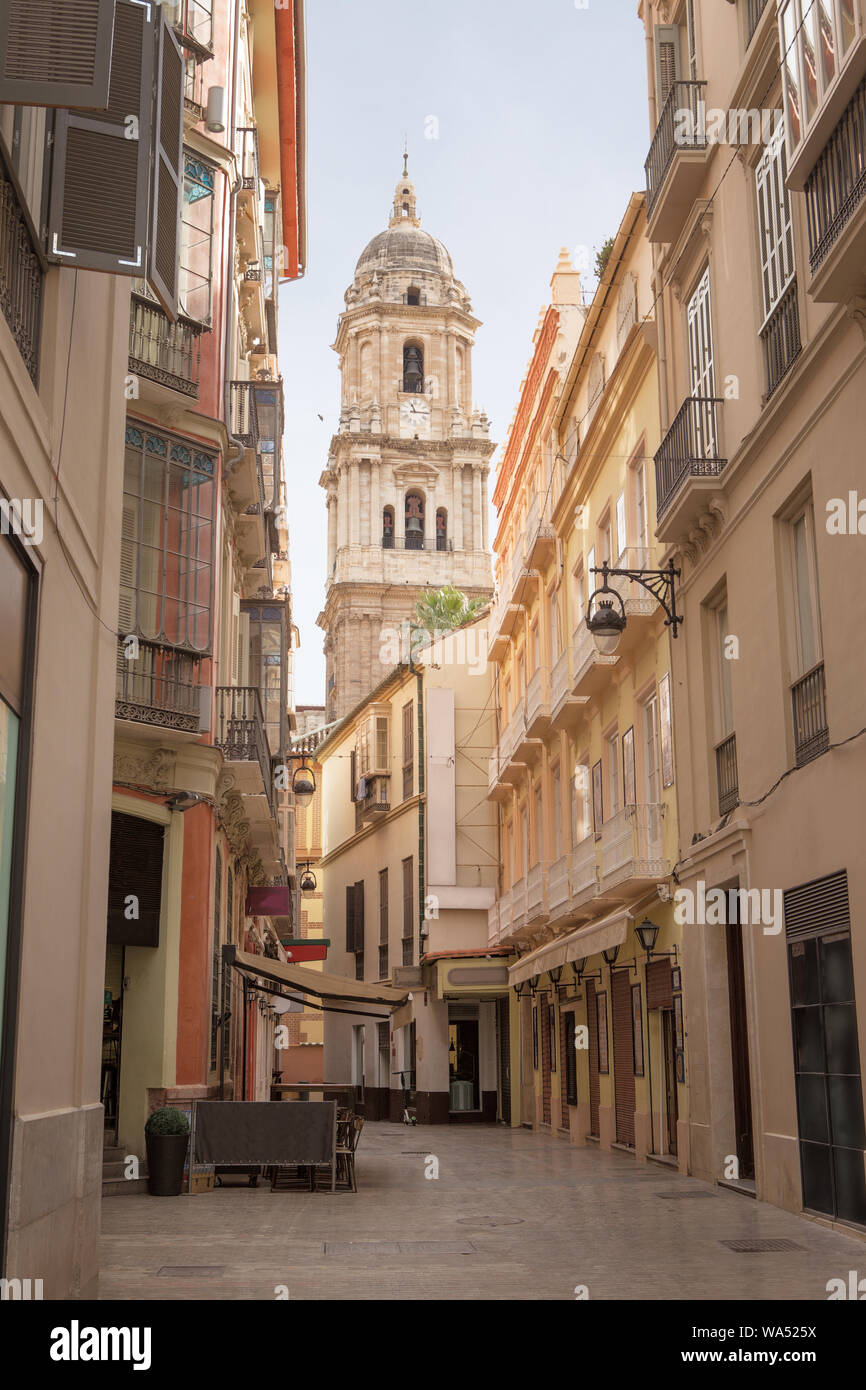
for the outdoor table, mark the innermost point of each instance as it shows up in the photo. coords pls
(327, 1088)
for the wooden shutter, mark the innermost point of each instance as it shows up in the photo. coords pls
(658, 985)
(815, 908)
(594, 1084)
(56, 52)
(623, 1056)
(167, 181)
(667, 45)
(359, 916)
(134, 869)
(350, 917)
(99, 180)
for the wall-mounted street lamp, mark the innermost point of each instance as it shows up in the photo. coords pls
(607, 621)
(581, 973)
(309, 882)
(647, 935)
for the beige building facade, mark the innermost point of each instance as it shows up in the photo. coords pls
(406, 479)
(757, 231)
(410, 865)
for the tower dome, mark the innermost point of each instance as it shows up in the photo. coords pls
(404, 245)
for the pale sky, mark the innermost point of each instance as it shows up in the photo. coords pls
(542, 134)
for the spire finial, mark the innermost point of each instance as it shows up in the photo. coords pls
(405, 154)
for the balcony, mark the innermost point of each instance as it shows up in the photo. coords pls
(247, 152)
(811, 729)
(687, 466)
(631, 850)
(497, 788)
(504, 617)
(589, 669)
(676, 161)
(493, 924)
(538, 703)
(565, 708)
(781, 337)
(584, 872)
(161, 687)
(241, 738)
(518, 907)
(21, 276)
(836, 209)
(727, 780)
(166, 353)
(539, 537)
(558, 888)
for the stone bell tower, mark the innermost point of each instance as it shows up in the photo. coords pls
(406, 479)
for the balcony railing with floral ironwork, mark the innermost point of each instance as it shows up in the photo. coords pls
(689, 449)
(837, 184)
(753, 14)
(168, 353)
(727, 780)
(781, 337)
(811, 730)
(683, 96)
(21, 275)
(240, 730)
(161, 685)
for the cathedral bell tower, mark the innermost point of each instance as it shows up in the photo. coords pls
(406, 479)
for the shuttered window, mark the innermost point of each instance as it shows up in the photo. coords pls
(134, 880)
(408, 749)
(350, 917)
(215, 960)
(817, 907)
(667, 37)
(359, 930)
(167, 154)
(56, 52)
(774, 221)
(570, 1063)
(623, 1057)
(408, 913)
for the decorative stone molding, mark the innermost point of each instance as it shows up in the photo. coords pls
(856, 310)
(154, 771)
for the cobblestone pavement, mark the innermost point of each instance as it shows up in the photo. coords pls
(512, 1215)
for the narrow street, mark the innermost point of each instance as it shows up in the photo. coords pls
(512, 1215)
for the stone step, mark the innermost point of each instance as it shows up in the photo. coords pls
(117, 1169)
(112, 1152)
(124, 1187)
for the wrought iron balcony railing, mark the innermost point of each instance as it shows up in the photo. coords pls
(161, 686)
(21, 275)
(689, 449)
(781, 337)
(244, 422)
(240, 730)
(811, 730)
(837, 184)
(753, 14)
(168, 353)
(727, 781)
(415, 542)
(673, 134)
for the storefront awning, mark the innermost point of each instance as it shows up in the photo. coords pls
(316, 982)
(587, 941)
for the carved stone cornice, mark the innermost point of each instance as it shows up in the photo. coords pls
(153, 770)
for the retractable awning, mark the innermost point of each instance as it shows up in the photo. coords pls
(317, 982)
(587, 941)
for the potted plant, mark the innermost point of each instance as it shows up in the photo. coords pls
(166, 1135)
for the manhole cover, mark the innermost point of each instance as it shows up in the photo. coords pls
(191, 1271)
(677, 1196)
(758, 1247)
(489, 1221)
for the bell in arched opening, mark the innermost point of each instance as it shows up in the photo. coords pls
(413, 368)
(388, 529)
(414, 521)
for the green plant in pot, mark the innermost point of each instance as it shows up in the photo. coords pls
(166, 1135)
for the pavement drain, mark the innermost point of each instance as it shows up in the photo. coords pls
(488, 1222)
(191, 1271)
(758, 1247)
(399, 1247)
(677, 1196)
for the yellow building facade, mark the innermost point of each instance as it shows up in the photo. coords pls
(584, 770)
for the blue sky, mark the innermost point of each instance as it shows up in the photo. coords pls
(543, 130)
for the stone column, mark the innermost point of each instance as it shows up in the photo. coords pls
(375, 505)
(485, 512)
(476, 507)
(399, 514)
(354, 503)
(332, 531)
(342, 508)
(457, 505)
(452, 370)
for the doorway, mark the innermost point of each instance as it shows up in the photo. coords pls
(669, 1071)
(623, 1056)
(463, 1069)
(503, 1052)
(743, 1139)
(112, 1031)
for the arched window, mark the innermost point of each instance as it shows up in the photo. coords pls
(414, 521)
(388, 528)
(441, 529)
(413, 367)
(413, 295)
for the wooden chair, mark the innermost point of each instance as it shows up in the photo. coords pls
(347, 1143)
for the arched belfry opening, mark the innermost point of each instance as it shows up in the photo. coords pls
(414, 521)
(413, 367)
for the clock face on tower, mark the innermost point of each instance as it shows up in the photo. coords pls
(415, 418)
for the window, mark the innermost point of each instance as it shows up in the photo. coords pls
(807, 649)
(413, 367)
(413, 295)
(507, 861)
(534, 656)
(641, 529)
(703, 382)
(194, 20)
(383, 924)
(629, 787)
(539, 825)
(441, 529)
(359, 930)
(551, 1025)
(621, 532)
(408, 749)
(816, 37)
(388, 528)
(667, 52)
(408, 912)
(196, 239)
(774, 221)
(524, 840)
(167, 539)
(580, 805)
(570, 1061)
(626, 311)
(373, 746)
(535, 1037)
(555, 650)
(613, 772)
(724, 715)
(651, 750)
(557, 812)
(595, 384)
(215, 961)
(414, 521)
(267, 638)
(353, 775)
